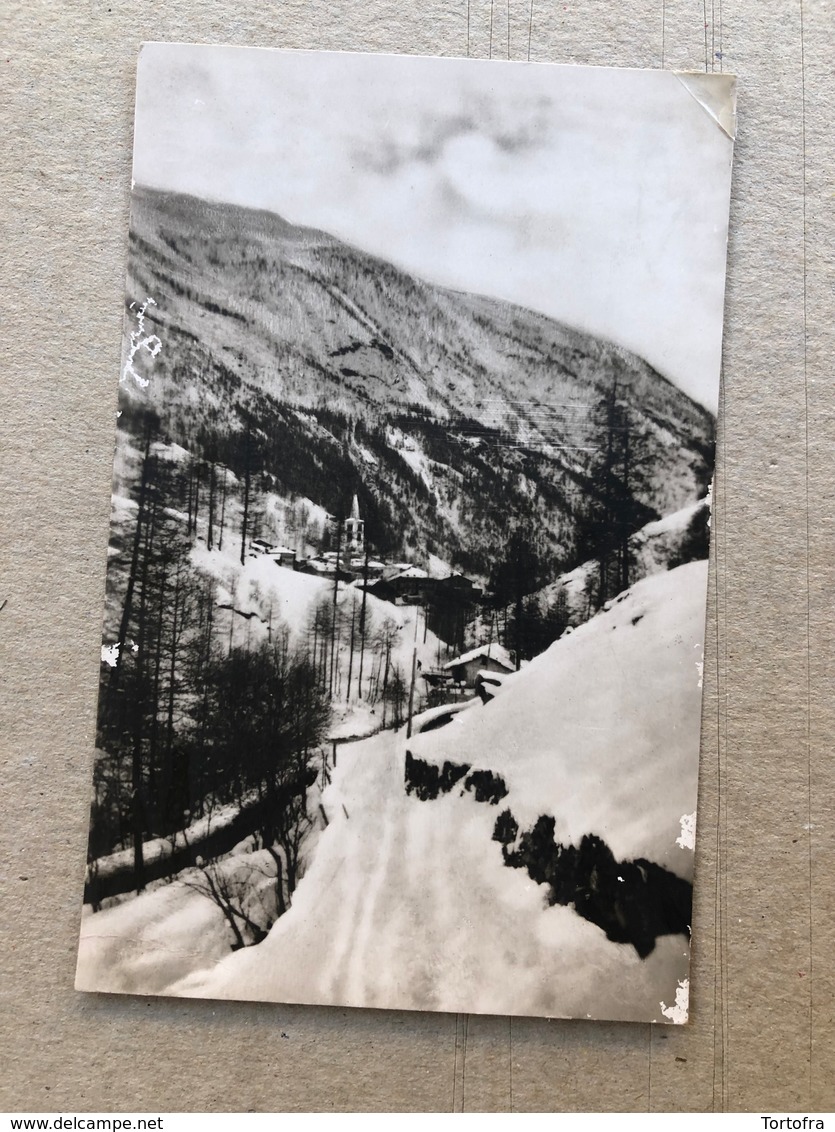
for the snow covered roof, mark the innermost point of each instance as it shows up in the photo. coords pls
(413, 572)
(263, 547)
(494, 652)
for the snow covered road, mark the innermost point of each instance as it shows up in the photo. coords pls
(409, 903)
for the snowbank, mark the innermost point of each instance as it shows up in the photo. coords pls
(141, 946)
(162, 847)
(602, 730)
(408, 903)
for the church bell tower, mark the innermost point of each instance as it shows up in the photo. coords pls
(355, 530)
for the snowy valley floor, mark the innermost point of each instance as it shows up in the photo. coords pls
(408, 903)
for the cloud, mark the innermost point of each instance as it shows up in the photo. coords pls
(596, 196)
(422, 134)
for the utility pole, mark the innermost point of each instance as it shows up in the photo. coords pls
(363, 622)
(335, 596)
(351, 651)
(414, 676)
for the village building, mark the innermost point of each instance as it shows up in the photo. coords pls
(381, 589)
(461, 586)
(411, 586)
(414, 586)
(392, 569)
(359, 567)
(465, 669)
(281, 555)
(328, 565)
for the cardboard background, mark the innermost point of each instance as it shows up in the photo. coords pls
(762, 1034)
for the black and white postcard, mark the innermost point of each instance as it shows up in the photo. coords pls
(402, 655)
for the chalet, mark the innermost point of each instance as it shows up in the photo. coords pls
(281, 555)
(460, 586)
(325, 566)
(359, 566)
(465, 669)
(414, 586)
(411, 586)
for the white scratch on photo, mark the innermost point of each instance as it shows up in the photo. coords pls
(687, 837)
(678, 1012)
(139, 340)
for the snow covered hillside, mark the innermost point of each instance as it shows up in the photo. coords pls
(400, 683)
(682, 536)
(411, 903)
(444, 411)
(602, 729)
(261, 598)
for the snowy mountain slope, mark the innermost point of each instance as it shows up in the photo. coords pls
(601, 731)
(264, 598)
(659, 545)
(409, 903)
(331, 349)
(406, 339)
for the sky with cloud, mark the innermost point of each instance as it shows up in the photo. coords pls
(596, 196)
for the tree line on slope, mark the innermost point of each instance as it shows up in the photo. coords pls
(190, 720)
(476, 476)
(168, 756)
(203, 705)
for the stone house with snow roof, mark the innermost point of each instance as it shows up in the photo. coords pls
(486, 658)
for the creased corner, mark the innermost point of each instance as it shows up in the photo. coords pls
(716, 94)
